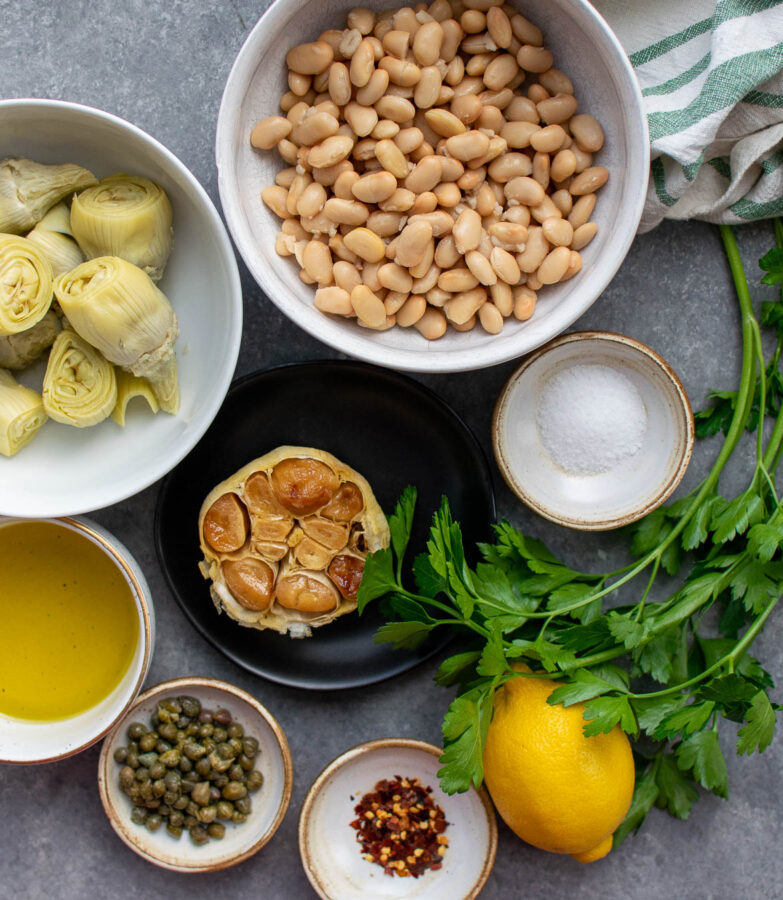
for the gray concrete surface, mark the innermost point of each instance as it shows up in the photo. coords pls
(162, 65)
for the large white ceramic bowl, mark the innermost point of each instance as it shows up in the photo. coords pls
(67, 470)
(23, 741)
(583, 46)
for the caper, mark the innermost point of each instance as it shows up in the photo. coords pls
(244, 805)
(120, 754)
(152, 803)
(170, 797)
(219, 735)
(181, 803)
(145, 790)
(187, 784)
(250, 746)
(235, 730)
(199, 835)
(223, 717)
(176, 818)
(188, 732)
(173, 781)
(190, 822)
(138, 815)
(209, 744)
(136, 730)
(208, 814)
(220, 781)
(157, 771)
(185, 765)
(224, 751)
(234, 790)
(164, 809)
(148, 741)
(205, 716)
(168, 731)
(134, 793)
(171, 757)
(203, 767)
(142, 773)
(245, 762)
(133, 747)
(162, 747)
(133, 759)
(254, 780)
(127, 777)
(163, 716)
(236, 773)
(225, 809)
(153, 822)
(184, 721)
(193, 751)
(214, 794)
(200, 793)
(159, 787)
(238, 817)
(217, 831)
(192, 809)
(174, 830)
(170, 704)
(236, 745)
(206, 729)
(190, 706)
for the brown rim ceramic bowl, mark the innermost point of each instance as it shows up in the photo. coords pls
(637, 484)
(332, 857)
(23, 741)
(270, 802)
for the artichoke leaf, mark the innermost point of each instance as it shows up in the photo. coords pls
(80, 387)
(128, 387)
(17, 351)
(21, 414)
(28, 189)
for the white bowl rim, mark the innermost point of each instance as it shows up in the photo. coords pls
(332, 333)
(347, 757)
(235, 335)
(189, 682)
(143, 599)
(666, 489)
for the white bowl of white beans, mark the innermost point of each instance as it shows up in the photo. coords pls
(444, 188)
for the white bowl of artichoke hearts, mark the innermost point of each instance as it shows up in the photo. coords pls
(120, 309)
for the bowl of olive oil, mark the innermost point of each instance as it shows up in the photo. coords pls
(77, 637)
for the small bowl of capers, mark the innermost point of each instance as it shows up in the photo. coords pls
(197, 775)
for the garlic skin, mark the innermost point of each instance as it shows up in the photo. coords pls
(115, 306)
(284, 540)
(127, 216)
(28, 189)
(21, 414)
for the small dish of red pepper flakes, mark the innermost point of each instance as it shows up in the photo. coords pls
(400, 827)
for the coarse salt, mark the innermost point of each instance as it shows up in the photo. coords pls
(590, 419)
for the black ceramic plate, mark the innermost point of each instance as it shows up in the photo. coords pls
(390, 429)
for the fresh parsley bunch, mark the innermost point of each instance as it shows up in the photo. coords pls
(651, 667)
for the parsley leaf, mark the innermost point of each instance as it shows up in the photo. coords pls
(377, 579)
(701, 752)
(603, 713)
(686, 720)
(645, 793)
(456, 668)
(401, 523)
(675, 789)
(757, 734)
(585, 685)
(408, 635)
(465, 732)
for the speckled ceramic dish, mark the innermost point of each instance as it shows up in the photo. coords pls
(332, 857)
(625, 493)
(270, 802)
(23, 741)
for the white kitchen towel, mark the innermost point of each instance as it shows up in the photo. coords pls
(711, 73)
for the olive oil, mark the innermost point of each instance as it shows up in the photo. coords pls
(69, 622)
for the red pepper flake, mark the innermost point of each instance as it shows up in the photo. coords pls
(404, 833)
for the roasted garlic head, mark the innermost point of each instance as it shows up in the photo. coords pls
(284, 540)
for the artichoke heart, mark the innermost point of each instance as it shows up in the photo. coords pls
(25, 284)
(17, 351)
(53, 235)
(21, 414)
(115, 306)
(128, 387)
(127, 216)
(79, 386)
(28, 189)
(280, 544)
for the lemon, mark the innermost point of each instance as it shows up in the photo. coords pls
(554, 787)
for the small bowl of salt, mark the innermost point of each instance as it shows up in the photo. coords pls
(593, 431)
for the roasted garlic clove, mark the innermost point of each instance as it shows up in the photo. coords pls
(226, 524)
(304, 485)
(346, 572)
(345, 505)
(312, 555)
(306, 594)
(271, 550)
(330, 534)
(250, 580)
